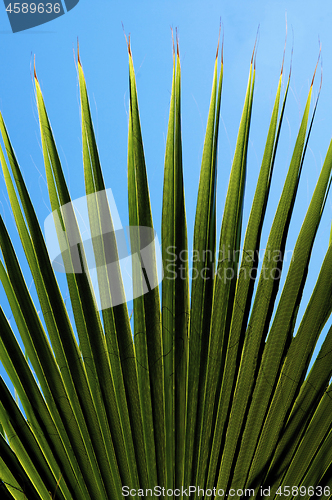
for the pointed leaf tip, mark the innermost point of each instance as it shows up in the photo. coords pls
(177, 43)
(127, 39)
(34, 67)
(291, 63)
(283, 59)
(173, 41)
(78, 53)
(313, 78)
(253, 52)
(129, 48)
(218, 40)
(222, 42)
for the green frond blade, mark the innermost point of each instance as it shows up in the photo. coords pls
(147, 315)
(302, 411)
(282, 328)
(225, 284)
(115, 376)
(263, 306)
(202, 277)
(175, 290)
(295, 366)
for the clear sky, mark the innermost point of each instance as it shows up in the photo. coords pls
(103, 50)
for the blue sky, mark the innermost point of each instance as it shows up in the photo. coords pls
(98, 25)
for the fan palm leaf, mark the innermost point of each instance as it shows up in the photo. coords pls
(209, 387)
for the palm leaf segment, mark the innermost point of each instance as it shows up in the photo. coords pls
(209, 388)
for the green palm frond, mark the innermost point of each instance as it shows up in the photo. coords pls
(209, 388)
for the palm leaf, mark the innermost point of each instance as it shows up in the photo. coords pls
(209, 389)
